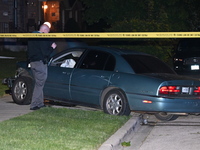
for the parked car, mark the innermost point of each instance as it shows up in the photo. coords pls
(115, 80)
(187, 57)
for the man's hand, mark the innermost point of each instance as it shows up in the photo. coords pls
(53, 45)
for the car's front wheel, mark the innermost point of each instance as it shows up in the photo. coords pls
(22, 90)
(115, 103)
(165, 116)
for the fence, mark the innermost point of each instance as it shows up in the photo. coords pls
(5, 27)
(8, 27)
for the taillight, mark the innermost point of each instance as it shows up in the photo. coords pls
(197, 90)
(169, 90)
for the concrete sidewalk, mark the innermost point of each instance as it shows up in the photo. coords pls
(8, 110)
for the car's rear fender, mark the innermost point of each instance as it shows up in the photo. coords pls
(137, 84)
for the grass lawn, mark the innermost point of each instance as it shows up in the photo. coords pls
(59, 129)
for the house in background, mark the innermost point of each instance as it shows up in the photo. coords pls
(23, 16)
(28, 15)
(64, 15)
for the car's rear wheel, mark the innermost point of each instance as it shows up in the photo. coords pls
(115, 103)
(22, 90)
(165, 117)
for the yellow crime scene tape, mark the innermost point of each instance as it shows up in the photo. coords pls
(104, 35)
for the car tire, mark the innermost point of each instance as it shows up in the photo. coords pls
(115, 103)
(22, 90)
(165, 117)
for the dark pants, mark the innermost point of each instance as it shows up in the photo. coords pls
(39, 70)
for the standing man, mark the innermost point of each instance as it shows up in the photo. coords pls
(39, 50)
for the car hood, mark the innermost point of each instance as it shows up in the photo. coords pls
(23, 64)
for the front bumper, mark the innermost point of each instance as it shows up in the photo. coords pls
(9, 82)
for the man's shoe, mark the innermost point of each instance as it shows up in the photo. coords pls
(35, 108)
(42, 106)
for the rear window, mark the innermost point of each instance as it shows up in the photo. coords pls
(147, 64)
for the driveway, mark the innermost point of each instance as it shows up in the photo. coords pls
(8, 109)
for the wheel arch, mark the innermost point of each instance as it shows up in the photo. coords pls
(22, 72)
(106, 90)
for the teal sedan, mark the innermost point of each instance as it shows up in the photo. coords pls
(115, 80)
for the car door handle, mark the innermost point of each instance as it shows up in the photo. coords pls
(67, 73)
(64, 72)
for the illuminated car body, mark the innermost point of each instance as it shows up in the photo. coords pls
(115, 80)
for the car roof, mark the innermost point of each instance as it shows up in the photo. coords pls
(112, 50)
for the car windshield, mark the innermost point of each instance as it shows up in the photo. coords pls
(147, 64)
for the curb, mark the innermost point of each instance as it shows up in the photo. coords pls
(127, 130)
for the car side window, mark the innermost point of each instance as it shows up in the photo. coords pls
(67, 60)
(98, 61)
(110, 65)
